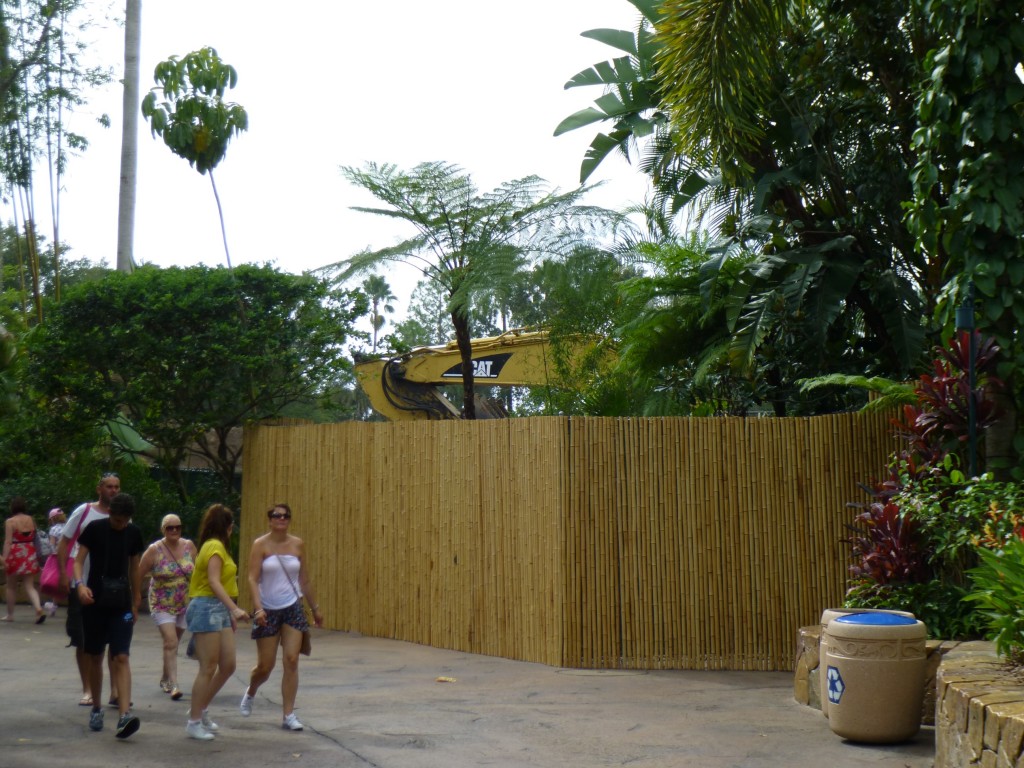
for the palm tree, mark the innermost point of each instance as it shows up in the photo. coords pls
(465, 241)
(129, 136)
(787, 134)
(379, 293)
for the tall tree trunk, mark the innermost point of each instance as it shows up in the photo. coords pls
(462, 338)
(129, 136)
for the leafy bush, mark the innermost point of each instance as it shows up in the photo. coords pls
(886, 547)
(918, 548)
(999, 591)
(915, 542)
(940, 606)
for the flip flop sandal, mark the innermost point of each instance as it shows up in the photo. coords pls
(165, 686)
(85, 701)
(176, 693)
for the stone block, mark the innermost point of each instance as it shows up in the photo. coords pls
(976, 725)
(806, 664)
(994, 717)
(801, 686)
(1011, 732)
(814, 691)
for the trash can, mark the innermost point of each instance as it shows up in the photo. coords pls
(826, 616)
(875, 670)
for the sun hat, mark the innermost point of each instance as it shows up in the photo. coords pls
(55, 512)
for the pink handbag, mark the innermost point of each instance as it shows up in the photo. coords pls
(49, 579)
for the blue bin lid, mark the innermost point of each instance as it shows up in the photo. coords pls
(876, 619)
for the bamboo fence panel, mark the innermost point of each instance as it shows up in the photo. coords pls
(677, 543)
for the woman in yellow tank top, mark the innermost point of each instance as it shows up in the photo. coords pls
(212, 616)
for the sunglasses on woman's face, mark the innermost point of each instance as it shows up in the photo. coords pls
(172, 527)
(280, 516)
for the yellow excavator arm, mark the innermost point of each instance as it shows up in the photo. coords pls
(406, 386)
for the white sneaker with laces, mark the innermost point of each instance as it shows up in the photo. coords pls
(245, 707)
(291, 723)
(196, 731)
(207, 723)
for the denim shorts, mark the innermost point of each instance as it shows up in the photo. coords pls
(207, 614)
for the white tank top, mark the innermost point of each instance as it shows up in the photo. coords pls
(276, 591)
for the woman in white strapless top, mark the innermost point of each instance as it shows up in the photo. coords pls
(278, 582)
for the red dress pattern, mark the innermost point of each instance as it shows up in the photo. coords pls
(21, 560)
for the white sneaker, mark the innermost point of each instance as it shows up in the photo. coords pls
(245, 707)
(195, 730)
(291, 723)
(207, 723)
(51, 608)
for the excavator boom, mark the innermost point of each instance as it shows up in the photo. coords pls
(406, 386)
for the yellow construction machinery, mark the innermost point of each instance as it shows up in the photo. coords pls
(406, 386)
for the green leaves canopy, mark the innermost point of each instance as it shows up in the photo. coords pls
(193, 119)
(181, 352)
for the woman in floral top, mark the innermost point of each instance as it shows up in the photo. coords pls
(170, 562)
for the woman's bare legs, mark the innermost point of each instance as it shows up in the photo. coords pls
(266, 657)
(171, 635)
(291, 642)
(12, 595)
(216, 654)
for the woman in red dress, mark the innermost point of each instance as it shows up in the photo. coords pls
(20, 561)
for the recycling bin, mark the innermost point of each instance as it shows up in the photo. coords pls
(875, 676)
(826, 616)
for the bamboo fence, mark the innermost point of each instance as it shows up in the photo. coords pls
(680, 543)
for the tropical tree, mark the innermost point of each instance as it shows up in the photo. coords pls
(787, 137)
(631, 92)
(42, 79)
(968, 198)
(466, 241)
(167, 352)
(193, 119)
(379, 293)
(428, 321)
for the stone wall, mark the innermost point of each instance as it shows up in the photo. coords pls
(980, 715)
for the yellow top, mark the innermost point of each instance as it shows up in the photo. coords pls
(199, 586)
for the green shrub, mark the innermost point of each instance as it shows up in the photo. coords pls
(952, 518)
(999, 592)
(940, 606)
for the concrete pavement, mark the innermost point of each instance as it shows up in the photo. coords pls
(368, 702)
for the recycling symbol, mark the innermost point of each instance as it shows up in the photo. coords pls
(836, 686)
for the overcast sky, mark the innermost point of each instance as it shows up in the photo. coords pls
(331, 83)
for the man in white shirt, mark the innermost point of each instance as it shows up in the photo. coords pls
(109, 486)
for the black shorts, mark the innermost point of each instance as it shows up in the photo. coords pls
(293, 616)
(73, 622)
(102, 627)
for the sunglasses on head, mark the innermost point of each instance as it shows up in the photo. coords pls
(280, 516)
(105, 475)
